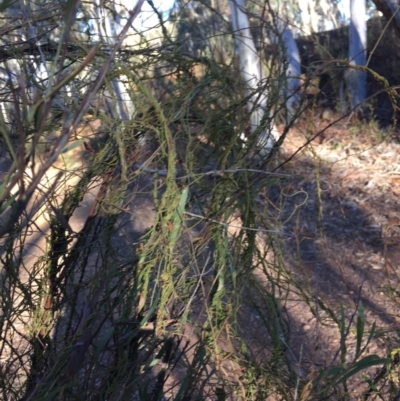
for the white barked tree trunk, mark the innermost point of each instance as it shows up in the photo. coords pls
(290, 90)
(357, 80)
(252, 76)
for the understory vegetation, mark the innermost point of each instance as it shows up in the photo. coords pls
(146, 258)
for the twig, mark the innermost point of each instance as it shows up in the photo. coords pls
(210, 172)
(231, 225)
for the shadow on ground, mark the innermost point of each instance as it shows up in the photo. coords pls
(341, 251)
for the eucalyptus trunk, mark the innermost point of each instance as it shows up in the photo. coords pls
(357, 80)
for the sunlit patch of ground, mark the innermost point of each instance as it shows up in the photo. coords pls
(340, 212)
(60, 178)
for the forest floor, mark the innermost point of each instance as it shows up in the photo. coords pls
(339, 212)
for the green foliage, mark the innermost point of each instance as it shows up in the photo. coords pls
(192, 306)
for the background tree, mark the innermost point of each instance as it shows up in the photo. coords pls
(390, 10)
(357, 79)
(253, 76)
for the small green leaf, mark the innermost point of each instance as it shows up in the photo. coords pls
(6, 204)
(360, 329)
(335, 371)
(367, 362)
(182, 389)
(154, 362)
(178, 216)
(104, 340)
(371, 334)
(372, 386)
(343, 348)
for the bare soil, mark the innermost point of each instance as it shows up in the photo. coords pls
(340, 216)
(338, 211)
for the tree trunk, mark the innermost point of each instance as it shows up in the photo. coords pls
(252, 75)
(293, 72)
(389, 9)
(357, 80)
